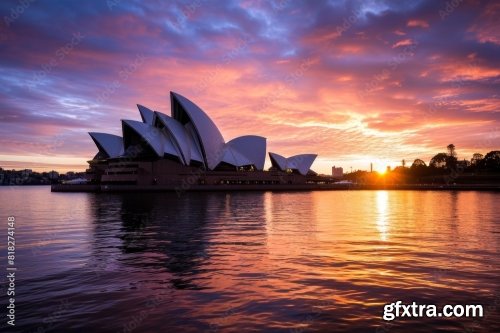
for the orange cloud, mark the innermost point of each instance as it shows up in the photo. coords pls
(404, 42)
(417, 23)
(302, 83)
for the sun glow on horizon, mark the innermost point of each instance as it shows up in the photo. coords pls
(334, 93)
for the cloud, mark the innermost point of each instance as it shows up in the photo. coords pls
(417, 23)
(486, 26)
(404, 42)
(344, 79)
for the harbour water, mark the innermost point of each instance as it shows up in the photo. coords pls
(250, 262)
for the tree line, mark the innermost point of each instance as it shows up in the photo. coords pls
(443, 167)
(446, 162)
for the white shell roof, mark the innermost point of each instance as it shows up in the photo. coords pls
(234, 157)
(110, 144)
(170, 147)
(147, 115)
(155, 138)
(301, 163)
(278, 161)
(191, 135)
(211, 139)
(196, 154)
(179, 135)
(253, 147)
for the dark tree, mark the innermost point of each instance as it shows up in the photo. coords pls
(418, 163)
(476, 159)
(451, 150)
(438, 161)
(418, 169)
(491, 160)
(451, 159)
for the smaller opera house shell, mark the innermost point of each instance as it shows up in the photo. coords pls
(187, 147)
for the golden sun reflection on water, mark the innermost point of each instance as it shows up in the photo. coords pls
(382, 204)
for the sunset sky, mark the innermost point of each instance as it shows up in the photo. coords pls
(353, 81)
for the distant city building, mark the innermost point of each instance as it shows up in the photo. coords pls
(53, 175)
(337, 172)
(28, 177)
(26, 173)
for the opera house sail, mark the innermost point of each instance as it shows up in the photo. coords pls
(185, 150)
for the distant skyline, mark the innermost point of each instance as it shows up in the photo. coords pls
(353, 81)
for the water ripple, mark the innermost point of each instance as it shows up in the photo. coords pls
(252, 262)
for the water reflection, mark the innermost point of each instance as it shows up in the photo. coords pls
(382, 214)
(271, 262)
(167, 233)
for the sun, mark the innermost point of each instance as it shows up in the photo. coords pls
(376, 165)
(381, 168)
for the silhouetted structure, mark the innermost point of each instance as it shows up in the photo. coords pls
(444, 168)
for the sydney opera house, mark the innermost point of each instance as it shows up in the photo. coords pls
(187, 151)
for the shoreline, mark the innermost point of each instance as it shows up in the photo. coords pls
(273, 188)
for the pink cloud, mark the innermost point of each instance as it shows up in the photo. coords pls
(417, 23)
(487, 25)
(404, 42)
(299, 81)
